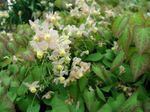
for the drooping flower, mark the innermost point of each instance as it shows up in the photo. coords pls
(33, 86)
(47, 95)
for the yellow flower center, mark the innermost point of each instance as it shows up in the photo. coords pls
(47, 37)
(53, 19)
(67, 59)
(40, 54)
(59, 67)
(32, 89)
(62, 52)
(35, 38)
(61, 79)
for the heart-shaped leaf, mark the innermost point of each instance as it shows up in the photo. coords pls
(119, 25)
(139, 64)
(142, 38)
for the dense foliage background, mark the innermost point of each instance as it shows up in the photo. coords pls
(75, 56)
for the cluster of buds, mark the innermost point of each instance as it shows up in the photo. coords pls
(84, 30)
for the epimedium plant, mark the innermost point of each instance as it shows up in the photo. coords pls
(77, 60)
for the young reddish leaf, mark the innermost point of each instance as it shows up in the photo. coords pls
(119, 25)
(137, 19)
(142, 38)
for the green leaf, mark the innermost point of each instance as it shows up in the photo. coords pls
(2, 90)
(5, 62)
(73, 90)
(98, 71)
(28, 103)
(34, 108)
(77, 106)
(125, 40)
(107, 88)
(142, 38)
(109, 55)
(22, 90)
(91, 101)
(116, 104)
(119, 25)
(105, 108)
(58, 105)
(137, 19)
(11, 47)
(6, 105)
(5, 78)
(100, 94)
(118, 60)
(147, 21)
(12, 94)
(83, 83)
(131, 102)
(38, 72)
(107, 63)
(127, 76)
(139, 64)
(146, 105)
(13, 68)
(94, 57)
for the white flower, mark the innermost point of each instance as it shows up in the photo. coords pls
(47, 95)
(33, 86)
(53, 17)
(110, 13)
(68, 5)
(121, 69)
(84, 53)
(116, 46)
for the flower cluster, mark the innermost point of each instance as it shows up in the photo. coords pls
(60, 57)
(55, 36)
(83, 9)
(47, 38)
(79, 68)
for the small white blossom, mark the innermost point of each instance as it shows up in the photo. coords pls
(33, 86)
